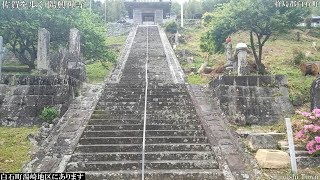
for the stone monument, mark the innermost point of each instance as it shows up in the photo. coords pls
(241, 52)
(315, 94)
(74, 46)
(229, 66)
(1, 53)
(43, 57)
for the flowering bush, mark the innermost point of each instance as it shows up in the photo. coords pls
(309, 134)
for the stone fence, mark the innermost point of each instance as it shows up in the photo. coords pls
(248, 100)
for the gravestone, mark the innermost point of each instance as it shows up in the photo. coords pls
(241, 51)
(74, 46)
(1, 53)
(43, 59)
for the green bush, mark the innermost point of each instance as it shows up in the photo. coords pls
(298, 57)
(48, 114)
(171, 27)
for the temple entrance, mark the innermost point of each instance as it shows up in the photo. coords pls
(148, 18)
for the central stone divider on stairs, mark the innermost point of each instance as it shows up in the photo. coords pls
(176, 145)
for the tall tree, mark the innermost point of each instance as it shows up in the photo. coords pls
(19, 28)
(260, 22)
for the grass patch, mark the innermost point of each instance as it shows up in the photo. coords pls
(197, 79)
(116, 40)
(14, 148)
(96, 73)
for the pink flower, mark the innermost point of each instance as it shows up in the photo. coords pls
(311, 151)
(306, 114)
(317, 138)
(316, 128)
(307, 127)
(317, 115)
(311, 144)
(317, 147)
(312, 117)
(300, 134)
(316, 111)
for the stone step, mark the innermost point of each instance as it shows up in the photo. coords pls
(116, 116)
(135, 165)
(173, 117)
(122, 120)
(116, 156)
(114, 122)
(138, 148)
(98, 131)
(138, 140)
(139, 126)
(182, 174)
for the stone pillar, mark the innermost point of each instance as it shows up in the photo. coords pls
(1, 53)
(137, 16)
(158, 16)
(43, 59)
(241, 51)
(315, 94)
(74, 42)
(176, 38)
(229, 64)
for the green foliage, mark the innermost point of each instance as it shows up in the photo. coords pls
(19, 28)
(197, 79)
(261, 21)
(97, 72)
(14, 148)
(171, 27)
(48, 114)
(298, 57)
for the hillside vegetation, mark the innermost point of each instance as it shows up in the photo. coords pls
(281, 55)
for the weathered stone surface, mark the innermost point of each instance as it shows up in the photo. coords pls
(74, 42)
(1, 53)
(241, 51)
(308, 162)
(261, 141)
(248, 100)
(43, 59)
(315, 94)
(272, 159)
(25, 97)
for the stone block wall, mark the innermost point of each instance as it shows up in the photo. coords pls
(22, 98)
(248, 100)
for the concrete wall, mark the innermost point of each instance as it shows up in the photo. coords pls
(22, 98)
(248, 100)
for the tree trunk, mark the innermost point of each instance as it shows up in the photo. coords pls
(310, 68)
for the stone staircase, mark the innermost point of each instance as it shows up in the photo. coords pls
(176, 144)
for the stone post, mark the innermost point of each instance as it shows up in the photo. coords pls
(241, 51)
(229, 64)
(1, 53)
(315, 94)
(43, 59)
(176, 38)
(74, 46)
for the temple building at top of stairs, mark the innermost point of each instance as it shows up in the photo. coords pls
(148, 11)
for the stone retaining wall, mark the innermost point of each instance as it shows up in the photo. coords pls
(248, 100)
(22, 97)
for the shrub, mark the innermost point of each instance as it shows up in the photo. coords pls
(309, 134)
(48, 114)
(171, 27)
(298, 57)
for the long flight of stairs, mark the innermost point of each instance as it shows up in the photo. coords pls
(176, 145)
